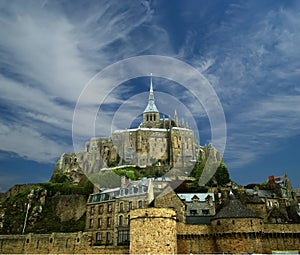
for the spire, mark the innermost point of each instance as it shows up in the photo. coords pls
(151, 107)
(176, 118)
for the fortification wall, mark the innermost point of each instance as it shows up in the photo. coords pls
(194, 239)
(281, 237)
(55, 243)
(154, 230)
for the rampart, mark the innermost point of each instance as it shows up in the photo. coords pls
(155, 230)
(55, 243)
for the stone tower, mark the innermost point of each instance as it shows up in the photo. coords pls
(237, 228)
(153, 231)
(151, 117)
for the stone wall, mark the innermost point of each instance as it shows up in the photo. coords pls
(281, 237)
(169, 199)
(55, 243)
(237, 225)
(153, 230)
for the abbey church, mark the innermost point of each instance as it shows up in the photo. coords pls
(156, 141)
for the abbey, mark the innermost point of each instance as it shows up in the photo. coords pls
(156, 141)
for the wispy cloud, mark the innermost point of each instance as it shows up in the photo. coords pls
(48, 52)
(254, 69)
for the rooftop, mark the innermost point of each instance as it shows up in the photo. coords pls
(235, 209)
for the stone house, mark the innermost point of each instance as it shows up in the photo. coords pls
(199, 207)
(108, 211)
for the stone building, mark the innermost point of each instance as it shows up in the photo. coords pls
(108, 211)
(158, 140)
(199, 207)
(127, 220)
(232, 227)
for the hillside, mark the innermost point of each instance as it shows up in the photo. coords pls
(60, 205)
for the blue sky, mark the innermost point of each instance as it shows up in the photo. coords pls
(248, 51)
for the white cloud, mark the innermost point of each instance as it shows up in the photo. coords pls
(255, 72)
(259, 130)
(49, 51)
(30, 144)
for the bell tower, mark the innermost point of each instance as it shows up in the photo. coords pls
(151, 114)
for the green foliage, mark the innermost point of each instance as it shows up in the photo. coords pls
(265, 186)
(66, 188)
(49, 223)
(220, 178)
(108, 179)
(61, 178)
(88, 187)
(193, 186)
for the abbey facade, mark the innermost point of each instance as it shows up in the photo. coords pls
(156, 141)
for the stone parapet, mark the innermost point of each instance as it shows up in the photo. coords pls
(189, 229)
(237, 225)
(281, 228)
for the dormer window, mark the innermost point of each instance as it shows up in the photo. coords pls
(193, 212)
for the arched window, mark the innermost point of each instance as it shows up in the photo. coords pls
(121, 220)
(121, 207)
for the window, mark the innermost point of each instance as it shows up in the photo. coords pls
(98, 237)
(130, 205)
(218, 223)
(123, 236)
(193, 212)
(100, 209)
(99, 222)
(92, 210)
(91, 223)
(233, 222)
(108, 221)
(107, 237)
(140, 204)
(121, 207)
(121, 220)
(128, 219)
(205, 211)
(109, 208)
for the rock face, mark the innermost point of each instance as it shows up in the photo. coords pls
(36, 209)
(68, 207)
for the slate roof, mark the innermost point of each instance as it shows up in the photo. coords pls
(253, 199)
(262, 193)
(235, 209)
(188, 197)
